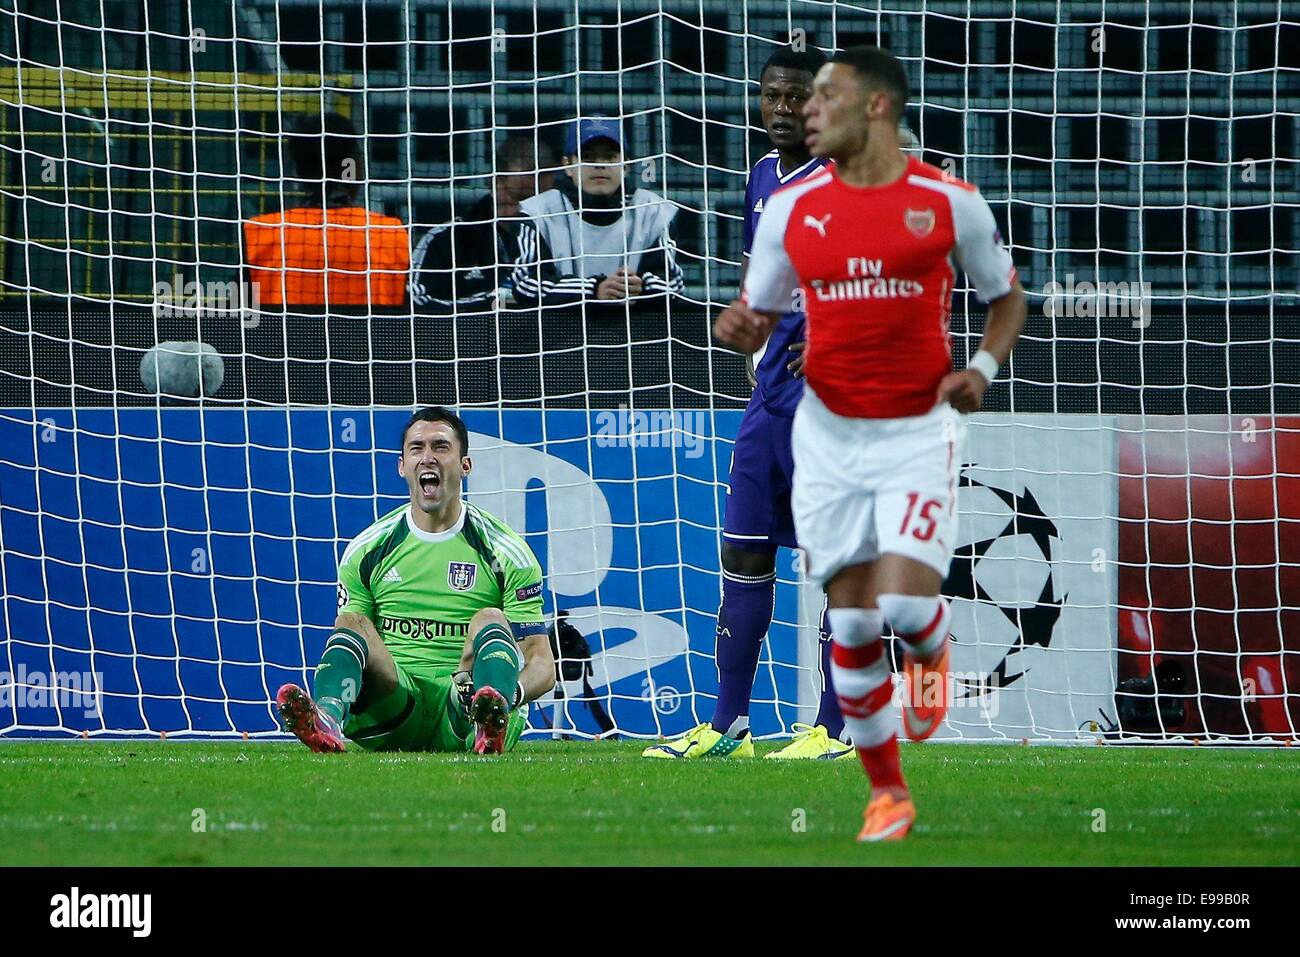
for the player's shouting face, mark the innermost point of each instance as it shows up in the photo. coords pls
(781, 98)
(433, 465)
(837, 116)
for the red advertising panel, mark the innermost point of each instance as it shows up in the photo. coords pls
(1209, 584)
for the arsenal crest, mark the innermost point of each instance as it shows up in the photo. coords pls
(460, 575)
(919, 222)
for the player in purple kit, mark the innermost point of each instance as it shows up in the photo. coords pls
(758, 518)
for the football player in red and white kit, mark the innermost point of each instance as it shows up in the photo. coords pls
(872, 245)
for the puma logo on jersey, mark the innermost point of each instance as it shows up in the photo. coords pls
(817, 224)
(392, 576)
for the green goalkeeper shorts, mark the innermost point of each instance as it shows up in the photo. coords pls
(425, 714)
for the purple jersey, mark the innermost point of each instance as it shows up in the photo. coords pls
(777, 389)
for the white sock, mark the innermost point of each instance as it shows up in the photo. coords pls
(921, 622)
(861, 675)
(738, 727)
(854, 627)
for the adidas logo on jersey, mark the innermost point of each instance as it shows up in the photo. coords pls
(392, 576)
(758, 207)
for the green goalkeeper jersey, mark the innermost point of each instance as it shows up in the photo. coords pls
(421, 588)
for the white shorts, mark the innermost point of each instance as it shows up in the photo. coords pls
(866, 487)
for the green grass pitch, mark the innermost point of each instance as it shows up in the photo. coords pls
(139, 803)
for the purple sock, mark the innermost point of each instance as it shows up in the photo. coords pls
(828, 709)
(743, 621)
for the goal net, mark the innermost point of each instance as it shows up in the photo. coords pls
(183, 456)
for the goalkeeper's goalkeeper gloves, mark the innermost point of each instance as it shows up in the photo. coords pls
(464, 683)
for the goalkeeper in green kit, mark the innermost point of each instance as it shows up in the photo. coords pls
(439, 642)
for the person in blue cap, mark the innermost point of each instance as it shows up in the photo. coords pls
(595, 235)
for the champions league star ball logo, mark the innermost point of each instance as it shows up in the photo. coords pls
(460, 575)
(1006, 571)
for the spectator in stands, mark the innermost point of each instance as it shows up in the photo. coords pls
(589, 237)
(467, 264)
(330, 250)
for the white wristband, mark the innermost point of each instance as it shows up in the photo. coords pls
(984, 363)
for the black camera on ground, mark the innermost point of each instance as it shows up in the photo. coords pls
(573, 663)
(1154, 703)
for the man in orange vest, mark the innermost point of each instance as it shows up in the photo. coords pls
(330, 250)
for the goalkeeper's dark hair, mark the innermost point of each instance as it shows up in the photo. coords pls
(878, 70)
(436, 413)
(788, 58)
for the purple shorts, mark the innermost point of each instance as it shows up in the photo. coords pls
(762, 472)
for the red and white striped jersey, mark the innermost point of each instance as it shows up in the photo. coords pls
(875, 268)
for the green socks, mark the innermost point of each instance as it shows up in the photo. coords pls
(338, 676)
(496, 661)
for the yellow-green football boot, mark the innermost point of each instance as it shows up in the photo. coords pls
(812, 743)
(703, 742)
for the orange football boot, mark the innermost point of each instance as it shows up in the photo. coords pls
(925, 699)
(887, 818)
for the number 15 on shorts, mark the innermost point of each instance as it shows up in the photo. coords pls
(921, 521)
(925, 530)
